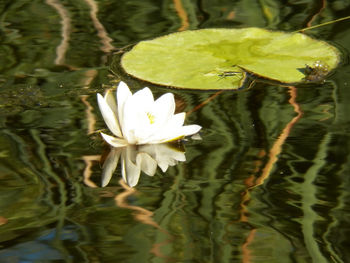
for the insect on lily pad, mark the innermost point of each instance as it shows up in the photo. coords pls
(317, 72)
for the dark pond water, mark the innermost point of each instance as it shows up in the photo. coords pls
(269, 181)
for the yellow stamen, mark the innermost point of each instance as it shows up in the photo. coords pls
(150, 117)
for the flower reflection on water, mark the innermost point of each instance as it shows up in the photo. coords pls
(136, 159)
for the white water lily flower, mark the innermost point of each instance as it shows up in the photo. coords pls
(135, 159)
(138, 119)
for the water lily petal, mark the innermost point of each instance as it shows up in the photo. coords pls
(178, 119)
(162, 133)
(136, 122)
(110, 165)
(108, 115)
(123, 94)
(110, 99)
(190, 129)
(163, 109)
(178, 133)
(147, 164)
(130, 121)
(138, 106)
(172, 130)
(175, 127)
(144, 95)
(113, 141)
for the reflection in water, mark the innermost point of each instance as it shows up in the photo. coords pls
(3, 220)
(182, 15)
(90, 117)
(101, 31)
(66, 30)
(208, 210)
(142, 215)
(277, 146)
(137, 159)
(88, 160)
(254, 180)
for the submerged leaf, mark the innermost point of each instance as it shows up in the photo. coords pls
(220, 58)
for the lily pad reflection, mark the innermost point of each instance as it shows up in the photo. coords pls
(136, 159)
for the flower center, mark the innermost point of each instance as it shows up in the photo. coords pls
(150, 117)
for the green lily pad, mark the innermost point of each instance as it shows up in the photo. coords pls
(220, 58)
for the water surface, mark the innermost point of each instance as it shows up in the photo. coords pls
(267, 183)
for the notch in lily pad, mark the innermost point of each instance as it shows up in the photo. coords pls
(217, 59)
